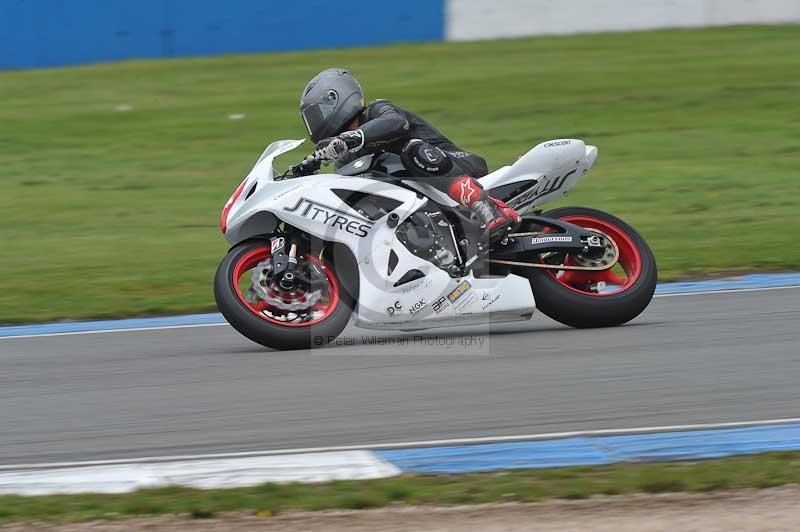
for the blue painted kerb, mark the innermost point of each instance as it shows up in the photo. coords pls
(660, 447)
(113, 325)
(755, 281)
(745, 282)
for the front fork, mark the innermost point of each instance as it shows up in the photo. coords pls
(284, 267)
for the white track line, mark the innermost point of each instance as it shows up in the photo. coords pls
(107, 331)
(192, 326)
(410, 444)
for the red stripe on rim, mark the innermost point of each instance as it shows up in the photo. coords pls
(252, 258)
(629, 259)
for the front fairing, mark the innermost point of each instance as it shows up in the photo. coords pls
(303, 201)
(263, 169)
(262, 173)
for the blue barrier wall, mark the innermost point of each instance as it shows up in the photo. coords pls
(40, 33)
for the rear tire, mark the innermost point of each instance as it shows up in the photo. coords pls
(264, 331)
(584, 310)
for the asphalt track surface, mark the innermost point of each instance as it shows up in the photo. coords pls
(702, 358)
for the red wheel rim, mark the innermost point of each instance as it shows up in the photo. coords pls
(252, 258)
(630, 260)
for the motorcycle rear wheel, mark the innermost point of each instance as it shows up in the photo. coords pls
(573, 298)
(256, 322)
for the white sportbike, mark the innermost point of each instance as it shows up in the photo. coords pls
(310, 251)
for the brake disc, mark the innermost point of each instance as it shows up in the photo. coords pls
(262, 291)
(606, 260)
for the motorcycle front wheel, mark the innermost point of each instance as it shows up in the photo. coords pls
(300, 319)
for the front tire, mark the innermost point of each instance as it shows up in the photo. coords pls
(572, 298)
(256, 323)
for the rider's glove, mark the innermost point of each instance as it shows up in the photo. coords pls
(332, 148)
(353, 139)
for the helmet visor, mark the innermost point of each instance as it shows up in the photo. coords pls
(315, 116)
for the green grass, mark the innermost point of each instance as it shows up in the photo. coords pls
(106, 212)
(758, 471)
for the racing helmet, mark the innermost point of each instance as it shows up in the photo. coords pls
(330, 101)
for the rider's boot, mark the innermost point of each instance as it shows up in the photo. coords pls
(498, 217)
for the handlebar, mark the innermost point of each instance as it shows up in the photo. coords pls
(306, 167)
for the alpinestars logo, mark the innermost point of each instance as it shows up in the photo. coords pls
(467, 192)
(331, 216)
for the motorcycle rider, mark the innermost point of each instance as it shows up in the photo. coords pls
(344, 129)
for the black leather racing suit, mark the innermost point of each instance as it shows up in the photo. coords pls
(386, 128)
